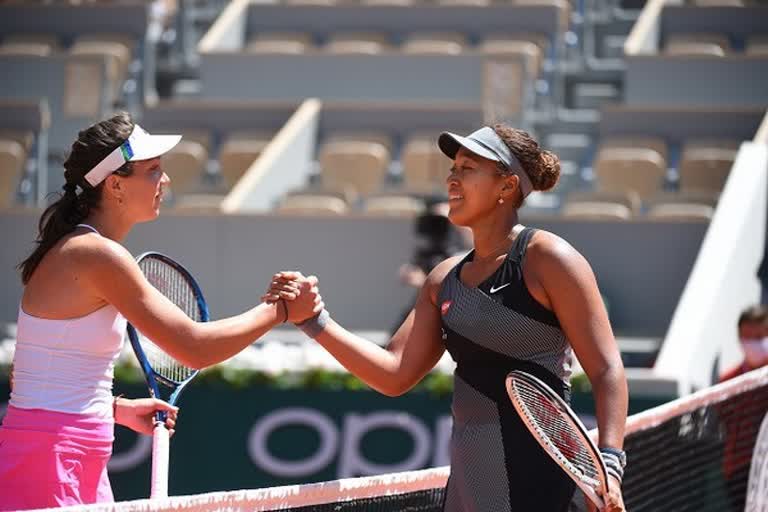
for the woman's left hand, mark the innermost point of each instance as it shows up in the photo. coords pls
(614, 502)
(139, 414)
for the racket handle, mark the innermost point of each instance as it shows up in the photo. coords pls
(160, 450)
(595, 498)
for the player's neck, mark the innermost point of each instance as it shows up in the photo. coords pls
(109, 225)
(495, 237)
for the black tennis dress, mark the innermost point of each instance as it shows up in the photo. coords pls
(496, 465)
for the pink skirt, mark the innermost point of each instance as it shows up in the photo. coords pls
(53, 459)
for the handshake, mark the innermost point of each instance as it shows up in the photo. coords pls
(298, 295)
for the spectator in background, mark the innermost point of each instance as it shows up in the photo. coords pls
(437, 240)
(753, 337)
(737, 458)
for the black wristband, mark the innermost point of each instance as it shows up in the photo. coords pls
(285, 310)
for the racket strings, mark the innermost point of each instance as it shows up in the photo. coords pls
(557, 430)
(174, 285)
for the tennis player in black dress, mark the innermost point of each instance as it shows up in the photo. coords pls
(521, 299)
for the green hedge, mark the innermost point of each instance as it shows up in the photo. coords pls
(436, 383)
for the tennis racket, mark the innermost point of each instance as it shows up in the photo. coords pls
(560, 432)
(165, 376)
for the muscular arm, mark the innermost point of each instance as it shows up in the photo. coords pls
(411, 353)
(571, 289)
(111, 273)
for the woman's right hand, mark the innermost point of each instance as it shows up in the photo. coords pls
(300, 294)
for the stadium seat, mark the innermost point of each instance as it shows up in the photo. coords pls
(700, 197)
(308, 203)
(116, 48)
(596, 211)
(353, 166)
(630, 169)
(681, 211)
(199, 203)
(705, 165)
(601, 205)
(311, 2)
(757, 45)
(656, 144)
(475, 3)
(719, 3)
(238, 153)
(700, 44)
(434, 43)
(22, 137)
(280, 42)
(13, 157)
(40, 45)
(693, 204)
(185, 164)
(425, 167)
(404, 3)
(84, 85)
(369, 43)
(499, 45)
(393, 205)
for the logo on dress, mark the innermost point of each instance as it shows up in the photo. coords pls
(444, 307)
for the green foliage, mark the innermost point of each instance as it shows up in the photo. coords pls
(580, 383)
(435, 383)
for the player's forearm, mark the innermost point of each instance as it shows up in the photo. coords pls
(610, 394)
(217, 341)
(374, 365)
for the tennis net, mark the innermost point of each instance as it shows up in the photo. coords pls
(692, 454)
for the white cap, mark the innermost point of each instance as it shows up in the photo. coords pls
(139, 146)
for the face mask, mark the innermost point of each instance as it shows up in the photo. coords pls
(755, 351)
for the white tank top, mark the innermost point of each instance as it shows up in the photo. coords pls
(67, 365)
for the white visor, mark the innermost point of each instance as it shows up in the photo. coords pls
(139, 146)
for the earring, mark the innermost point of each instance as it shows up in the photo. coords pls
(501, 200)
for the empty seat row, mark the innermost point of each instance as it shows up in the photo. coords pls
(601, 205)
(187, 163)
(358, 165)
(475, 3)
(371, 43)
(325, 202)
(713, 45)
(578, 205)
(116, 48)
(723, 3)
(640, 164)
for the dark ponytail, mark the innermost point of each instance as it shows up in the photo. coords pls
(73, 207)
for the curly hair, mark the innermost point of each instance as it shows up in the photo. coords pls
(541, 166)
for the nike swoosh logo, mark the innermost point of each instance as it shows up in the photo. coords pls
(494, 290)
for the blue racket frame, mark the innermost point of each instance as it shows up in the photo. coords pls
(150, 376)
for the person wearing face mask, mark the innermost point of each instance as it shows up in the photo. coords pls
(753, 338)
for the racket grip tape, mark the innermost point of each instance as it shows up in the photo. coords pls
(160, 451)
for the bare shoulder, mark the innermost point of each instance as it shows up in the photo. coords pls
(437, 275)
(91, 252)
(548, 252)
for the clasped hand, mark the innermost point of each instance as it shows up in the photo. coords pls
(300, 295)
